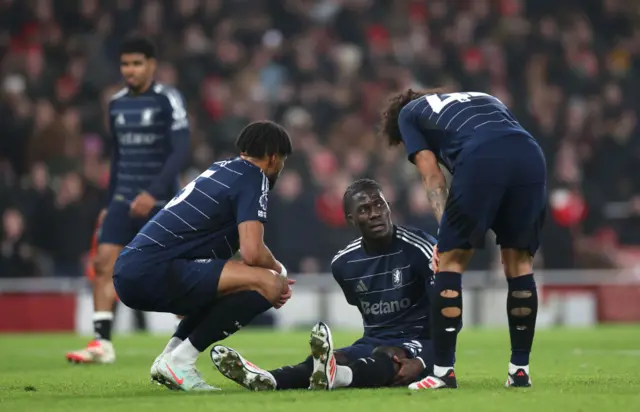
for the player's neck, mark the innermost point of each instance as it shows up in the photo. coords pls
(261, 163)
(377, 246)
(142, 89)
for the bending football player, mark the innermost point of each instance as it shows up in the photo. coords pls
(499, 184)
(181, 262)
(386, 274)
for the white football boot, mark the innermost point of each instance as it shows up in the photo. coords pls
(323, 376)
(154, 374)
(97, 351)
(233, 366)
(180, 377)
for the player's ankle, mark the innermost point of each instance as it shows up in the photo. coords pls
(440, 371)
(185, 354)
(514, 368)
(172, 344)
(344, 376)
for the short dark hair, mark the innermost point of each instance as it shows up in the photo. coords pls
(264, 138)
(389, 119)
(356, 187)
(138, 44)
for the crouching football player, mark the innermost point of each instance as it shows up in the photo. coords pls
(180, 262)
(386, 274)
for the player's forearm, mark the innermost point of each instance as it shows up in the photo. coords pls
(437, 192)
(260, 256)
(172, 166)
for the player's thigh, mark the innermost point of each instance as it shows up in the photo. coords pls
(237, 277)
(182, 286)
(118, 227)
(518, 225)
(473, 202)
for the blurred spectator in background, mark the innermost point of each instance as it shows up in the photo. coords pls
(17, 256)
(569, 70)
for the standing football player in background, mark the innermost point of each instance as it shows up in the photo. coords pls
(499, 183)
(386, 274)
(150, 131)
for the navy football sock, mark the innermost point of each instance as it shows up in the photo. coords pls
(446, 317)
(522, 310)
(373, 372)
(188, 324)
(226, 316)
(294, 377)
(102, 324)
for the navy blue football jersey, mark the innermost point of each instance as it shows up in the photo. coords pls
(151, 143)
(452, 125)
(201, 222)
(390, 289)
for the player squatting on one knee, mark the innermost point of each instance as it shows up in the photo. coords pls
(144, 176)
(322, 370)
(181, 262)
(498, 183)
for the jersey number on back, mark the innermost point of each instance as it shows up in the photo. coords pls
(439, 101)
(186, 191)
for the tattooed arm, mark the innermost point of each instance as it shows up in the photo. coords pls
(433, 181)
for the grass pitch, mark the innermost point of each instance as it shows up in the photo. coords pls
(572, 370)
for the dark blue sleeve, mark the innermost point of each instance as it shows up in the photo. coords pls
(348, 294)
(251, 199)
(412, 135)
(175, 115)
(115, 153)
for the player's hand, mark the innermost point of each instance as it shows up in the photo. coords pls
(286, 295)
(435, 260)
(142, 205)
(409, 371)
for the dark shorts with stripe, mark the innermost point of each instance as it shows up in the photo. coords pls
(180, 286)
(501, 186)
(364, 347)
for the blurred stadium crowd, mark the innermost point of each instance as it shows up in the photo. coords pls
(568, 69)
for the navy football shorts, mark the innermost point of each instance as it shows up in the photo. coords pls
(119, 227)
(364, 347)
(183, 287)
(501, 186)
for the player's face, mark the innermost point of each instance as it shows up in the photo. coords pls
(275, 166)
(136, 69)
(371, 214)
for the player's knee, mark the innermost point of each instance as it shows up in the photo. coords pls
(455, 260)
(103, 264)
(516, 262)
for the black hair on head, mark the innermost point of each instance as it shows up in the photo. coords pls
(263, 139)
(139, 44)
(389, 120)
(356, 187)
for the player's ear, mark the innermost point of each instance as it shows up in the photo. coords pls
(350, 220)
